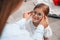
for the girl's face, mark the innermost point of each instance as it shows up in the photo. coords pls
(37, 15)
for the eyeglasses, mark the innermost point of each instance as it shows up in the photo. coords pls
(36, 13)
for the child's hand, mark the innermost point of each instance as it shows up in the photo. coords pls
(27, 15)
(44, 21)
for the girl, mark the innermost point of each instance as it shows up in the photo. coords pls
(40, 18)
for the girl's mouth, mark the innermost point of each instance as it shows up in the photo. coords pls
(36, 18)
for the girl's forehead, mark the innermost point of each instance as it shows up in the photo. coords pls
(39, 10)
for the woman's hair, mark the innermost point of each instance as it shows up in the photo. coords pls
(6, 7)
(44, 7)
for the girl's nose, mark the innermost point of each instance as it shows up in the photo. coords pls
(36, 15)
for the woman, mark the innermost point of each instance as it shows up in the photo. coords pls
(15, 31)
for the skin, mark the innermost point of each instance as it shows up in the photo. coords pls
(35, 18)
(39, 19)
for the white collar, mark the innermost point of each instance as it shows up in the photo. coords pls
(32, 25)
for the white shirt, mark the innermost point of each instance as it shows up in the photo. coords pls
(53, 9)
(17, 31)
(31, 28)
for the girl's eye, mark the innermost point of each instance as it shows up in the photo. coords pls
(39, 14)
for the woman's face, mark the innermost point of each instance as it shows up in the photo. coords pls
(37, 15)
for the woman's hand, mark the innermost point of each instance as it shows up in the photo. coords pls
(27, 15)
(44, 21)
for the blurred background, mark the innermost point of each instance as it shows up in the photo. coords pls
(53, 16)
